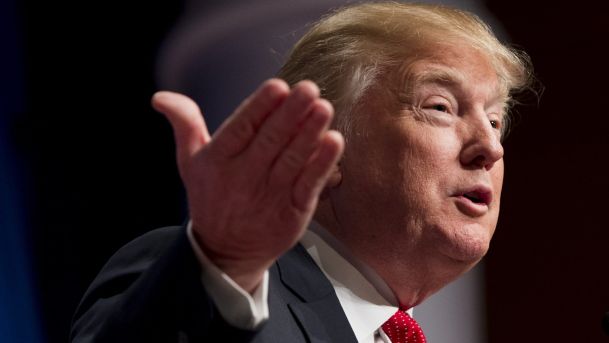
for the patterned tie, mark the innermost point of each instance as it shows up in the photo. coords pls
(401, 328)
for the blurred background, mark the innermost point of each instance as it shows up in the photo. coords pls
(86, 165)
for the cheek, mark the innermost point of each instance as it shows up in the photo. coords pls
(497, 177)
(407, 162)
(434, 156)
(430, 164)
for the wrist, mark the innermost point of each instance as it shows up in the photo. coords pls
(248, 273)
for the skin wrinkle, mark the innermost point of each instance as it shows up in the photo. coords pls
(445, 82)
(436, 73)
(415, 217)
(399, 174)
(380, 35)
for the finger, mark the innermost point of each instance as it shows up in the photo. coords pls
(295, 156)
(239, 129)
(311, 182)
(281, 126)
(186, 120)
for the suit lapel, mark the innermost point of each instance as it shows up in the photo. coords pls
(317, 310)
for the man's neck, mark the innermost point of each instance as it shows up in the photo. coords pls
(367, 272)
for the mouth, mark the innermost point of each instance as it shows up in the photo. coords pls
(478, 196)
(475, 201)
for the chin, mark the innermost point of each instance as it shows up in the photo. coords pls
(465, 245)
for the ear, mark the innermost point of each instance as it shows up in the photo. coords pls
(336, 176)
(334, 180)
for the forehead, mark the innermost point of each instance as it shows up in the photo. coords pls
(460, 68)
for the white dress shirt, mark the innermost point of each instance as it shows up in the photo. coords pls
(365, 298)
(239, 308)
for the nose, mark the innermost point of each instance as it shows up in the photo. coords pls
(482, 143)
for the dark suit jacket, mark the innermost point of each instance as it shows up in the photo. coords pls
(151, 291)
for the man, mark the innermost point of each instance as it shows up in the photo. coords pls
(398, 204)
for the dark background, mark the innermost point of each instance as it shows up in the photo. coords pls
(98, 168)
(548, 271)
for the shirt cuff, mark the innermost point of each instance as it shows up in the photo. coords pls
(239, 308)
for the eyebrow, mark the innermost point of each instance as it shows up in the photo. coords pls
(440, 75)
(435, 75)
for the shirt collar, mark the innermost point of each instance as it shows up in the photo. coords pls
(364, 296)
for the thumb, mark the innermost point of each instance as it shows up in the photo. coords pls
(185, 117)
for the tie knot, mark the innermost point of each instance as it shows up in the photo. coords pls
(402, 328)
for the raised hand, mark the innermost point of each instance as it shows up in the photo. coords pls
(253, 187)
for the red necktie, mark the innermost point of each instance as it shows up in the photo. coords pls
(401, 328)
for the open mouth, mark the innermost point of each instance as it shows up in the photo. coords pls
(474, 197)
(474, 202)
(481, 197)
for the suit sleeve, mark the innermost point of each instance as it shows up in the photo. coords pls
(151, 291)
(239, 308)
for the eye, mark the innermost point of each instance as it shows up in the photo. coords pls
(440, 108)
(497, 124)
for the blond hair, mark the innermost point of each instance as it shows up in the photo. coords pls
(347, 51)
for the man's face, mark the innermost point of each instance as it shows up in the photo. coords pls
(422, 173)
